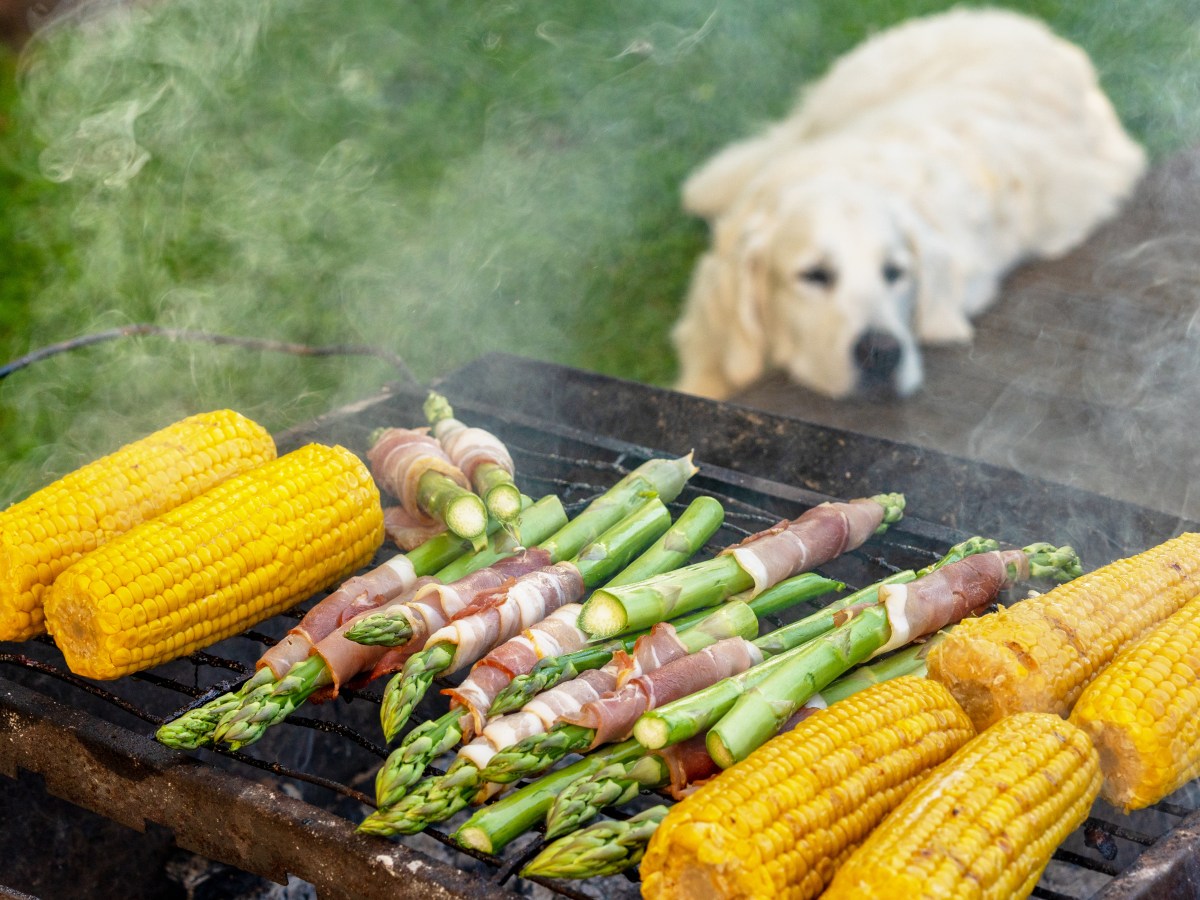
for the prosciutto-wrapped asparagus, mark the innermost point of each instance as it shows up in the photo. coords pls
(480, 455)
(904, 613)
(336, 660)
(411, 465)
(388, 581)
(498, 824)
(505, 612)
(440, 798)
(819, 535)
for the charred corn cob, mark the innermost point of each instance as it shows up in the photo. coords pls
(1143, 713)
(245, 550)
(43, 534)
(781, 821)
(1039, 654)
(984, 823)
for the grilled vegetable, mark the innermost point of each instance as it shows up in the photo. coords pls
(436, 799)
(904, 612)
(517, 606)
(335, 659)
(680, 766)
(601, 849)
(241, 552)
(412, 467)
(1039, 654)
(549, 672)
(762, 560)
(693, 715)
(45, 533)
(985, 822)
(1143, 713)
(480, 455)
(783, 819)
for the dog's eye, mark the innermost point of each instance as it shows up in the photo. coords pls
(818, 275)
(892, 272)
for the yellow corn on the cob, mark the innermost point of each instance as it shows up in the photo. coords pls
(985, 822)
(1143, 713)
(778, 823)
(249, 548)
(43, 534)
(1038, 654)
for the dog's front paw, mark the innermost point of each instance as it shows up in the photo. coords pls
(707, 384)
(946, 329)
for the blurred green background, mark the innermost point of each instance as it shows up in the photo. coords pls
(441, 180)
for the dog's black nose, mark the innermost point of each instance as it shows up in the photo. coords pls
(877, 353)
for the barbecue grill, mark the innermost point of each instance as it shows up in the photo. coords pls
(289, 803)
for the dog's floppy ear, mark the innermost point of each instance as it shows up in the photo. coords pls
(939, 314)
(721, 338)
(712, 190)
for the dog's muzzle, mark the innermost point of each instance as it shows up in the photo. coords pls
(877, 356)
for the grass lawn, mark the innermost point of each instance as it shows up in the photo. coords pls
(442, 180)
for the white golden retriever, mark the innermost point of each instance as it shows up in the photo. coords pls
(884, 210)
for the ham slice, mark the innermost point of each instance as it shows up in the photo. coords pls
(948, 594)
(435, 604)
(356, 595)
(612, 716)
(502, 613)
(398, 459)
(819, 535)
(468, 448)
(543, 712)
(406, 531)
(345, 659)
(556, 634)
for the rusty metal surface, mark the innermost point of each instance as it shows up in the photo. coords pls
(132, 779)
(1169, 870)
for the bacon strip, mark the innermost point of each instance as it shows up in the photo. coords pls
(556, 634)
(508, 610)
(689, 765)
(819, 535)
(398, 459)
(405, 531)
(948, 594)
(468, 448)
(358, 594)
(612, 716)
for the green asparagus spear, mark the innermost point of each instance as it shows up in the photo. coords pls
(406, 764)
(461, 511)
(408, 761)
(495, 825)
(604, 848)
(694, 714)
(552, 670)
(759, 713)
(195, 727)
(492, 481)
(596, 562)
(271, 701)
(610, 612)
(618, 783)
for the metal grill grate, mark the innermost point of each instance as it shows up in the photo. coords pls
(328, 754)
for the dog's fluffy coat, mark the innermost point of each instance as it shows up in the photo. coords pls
(884, 210)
